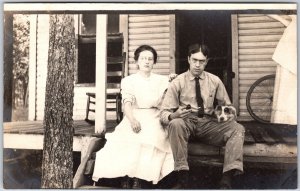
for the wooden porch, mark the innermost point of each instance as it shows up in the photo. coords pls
(81, 127)
(29, 134)
(266, 145)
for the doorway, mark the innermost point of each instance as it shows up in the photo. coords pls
(212, 28)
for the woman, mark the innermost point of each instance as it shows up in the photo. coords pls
(138, 148)
(284, 108)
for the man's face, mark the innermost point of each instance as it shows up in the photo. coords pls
(197, 63)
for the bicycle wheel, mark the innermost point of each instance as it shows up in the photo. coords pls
(259, 99)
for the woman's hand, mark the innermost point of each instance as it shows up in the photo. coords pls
(172, 77)
(135, 125)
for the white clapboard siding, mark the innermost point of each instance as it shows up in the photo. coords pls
(153, 30)
(80, 97)
(157, 47)
(42, 61)
(258, 36)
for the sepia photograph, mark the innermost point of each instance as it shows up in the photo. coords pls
(150, 96)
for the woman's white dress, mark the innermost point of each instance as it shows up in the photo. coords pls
(285, 91)
(147, 154)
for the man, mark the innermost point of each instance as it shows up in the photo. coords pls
(198, 89)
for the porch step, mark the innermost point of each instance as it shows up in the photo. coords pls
(278, 163)
(96, 187)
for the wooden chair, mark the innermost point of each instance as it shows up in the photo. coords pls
(88, 109)
(115, 68)
(115, 73)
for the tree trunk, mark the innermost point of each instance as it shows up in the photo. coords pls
(57, 168)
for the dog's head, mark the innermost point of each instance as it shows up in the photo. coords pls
(224, 113)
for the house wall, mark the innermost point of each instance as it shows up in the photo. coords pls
(258, 36)
(80, 98)
(154, 30)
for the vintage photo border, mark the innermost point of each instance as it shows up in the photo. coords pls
(156, 6)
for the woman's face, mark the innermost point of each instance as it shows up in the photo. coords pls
(145, 61)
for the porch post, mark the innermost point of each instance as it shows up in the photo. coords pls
(235, 62)
(7, 67)
(172, 43)
(101, 49)
(124, 29)
(32, 69)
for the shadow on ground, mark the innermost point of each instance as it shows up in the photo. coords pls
(209, 177)
(22, 170)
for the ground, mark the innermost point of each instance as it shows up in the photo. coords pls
(22, 169)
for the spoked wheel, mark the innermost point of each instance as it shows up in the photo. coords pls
(259, 100)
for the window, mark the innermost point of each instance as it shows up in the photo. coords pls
(86, 65)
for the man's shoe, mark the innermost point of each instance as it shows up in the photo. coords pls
(225, 182)
(125, 184)
(182, 180)
(137, 183)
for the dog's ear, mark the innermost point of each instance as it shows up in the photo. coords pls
(217, 111)
(232, 110)
(218, 108)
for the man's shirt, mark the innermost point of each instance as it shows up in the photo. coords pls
(181, 92)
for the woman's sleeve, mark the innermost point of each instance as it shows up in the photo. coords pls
(164, 82)
(127, 90)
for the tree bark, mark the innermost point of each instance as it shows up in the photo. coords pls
(57, 168)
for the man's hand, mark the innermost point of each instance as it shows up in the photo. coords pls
(181, 112)
(135, 125)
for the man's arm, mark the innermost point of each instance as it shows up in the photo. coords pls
(169, 104)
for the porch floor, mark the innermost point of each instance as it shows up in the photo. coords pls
(255, 132)
(81, 127)
(268, 147)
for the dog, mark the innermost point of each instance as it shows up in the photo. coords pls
(224, 113)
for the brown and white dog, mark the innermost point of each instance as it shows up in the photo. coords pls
(224, 113)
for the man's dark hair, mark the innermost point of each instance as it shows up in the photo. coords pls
(143, 48)
(194, 48)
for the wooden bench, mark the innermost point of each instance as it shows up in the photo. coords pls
(269, 146)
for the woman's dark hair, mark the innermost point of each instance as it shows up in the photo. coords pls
(194, 48)
(143, 48)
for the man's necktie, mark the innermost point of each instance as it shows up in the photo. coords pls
(199, 98)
